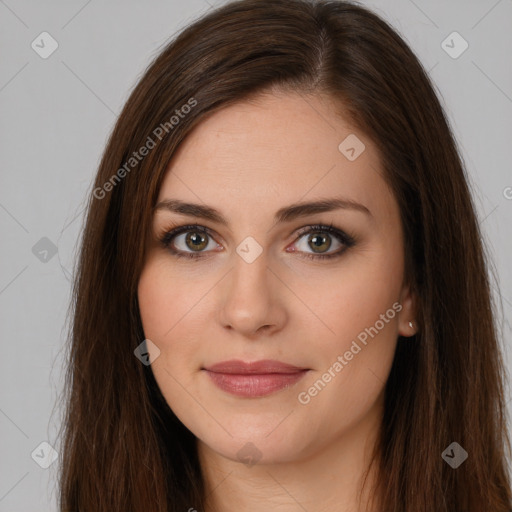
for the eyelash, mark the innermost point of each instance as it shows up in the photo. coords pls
(166, 237)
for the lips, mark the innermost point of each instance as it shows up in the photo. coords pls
(254, 379)
(259, 367)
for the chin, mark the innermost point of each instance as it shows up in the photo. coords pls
(258, 444)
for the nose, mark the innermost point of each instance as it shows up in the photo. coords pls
(252, 299)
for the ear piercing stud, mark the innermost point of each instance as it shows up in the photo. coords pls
(411, 325)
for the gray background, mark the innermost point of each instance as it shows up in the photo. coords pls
(55, 116)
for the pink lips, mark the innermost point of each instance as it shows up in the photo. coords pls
(254, 379)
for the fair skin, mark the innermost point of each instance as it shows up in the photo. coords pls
(247, 161)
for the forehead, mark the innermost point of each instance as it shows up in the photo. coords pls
(274, 150)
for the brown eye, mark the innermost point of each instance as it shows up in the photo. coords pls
(319, 243)
(196, 240)
(319, 240)
(189, 241)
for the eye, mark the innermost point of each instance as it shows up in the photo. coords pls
(193, 241)
(319, 240)
(189, 239)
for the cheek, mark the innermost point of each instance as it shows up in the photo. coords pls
(166, 302)
(152, 302)
(163, 318)
(353, 369)
(353, 361)
(173, 316)
(359, 300)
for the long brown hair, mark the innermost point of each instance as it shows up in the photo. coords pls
(123, 448)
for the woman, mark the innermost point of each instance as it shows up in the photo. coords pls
(282, 298)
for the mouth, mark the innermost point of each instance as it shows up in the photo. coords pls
(254, 379)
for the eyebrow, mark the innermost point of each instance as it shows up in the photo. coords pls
(285, 214)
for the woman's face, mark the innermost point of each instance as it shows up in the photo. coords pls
(258, 287)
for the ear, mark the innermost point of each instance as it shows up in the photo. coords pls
(408, 313)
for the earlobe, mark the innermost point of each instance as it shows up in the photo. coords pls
(407, 326)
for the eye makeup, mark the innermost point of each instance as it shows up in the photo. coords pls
(168, 235)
